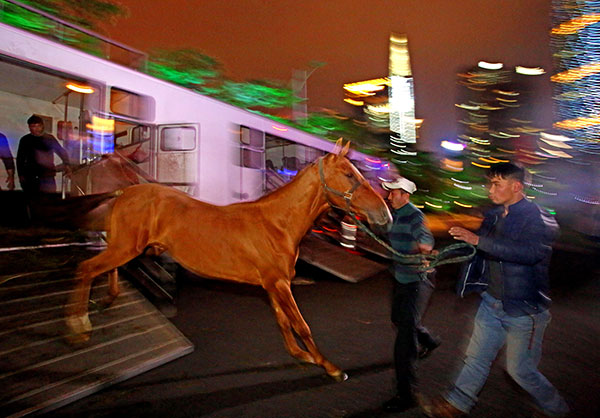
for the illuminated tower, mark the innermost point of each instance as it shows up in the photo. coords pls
(575, 39)
(401, 99)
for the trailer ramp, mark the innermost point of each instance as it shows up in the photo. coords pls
(336, 260)
(40, 371)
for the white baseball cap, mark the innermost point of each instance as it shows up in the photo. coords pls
(400, 183)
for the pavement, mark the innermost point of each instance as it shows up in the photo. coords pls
(240, 368)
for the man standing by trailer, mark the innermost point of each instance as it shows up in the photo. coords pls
(35, 159)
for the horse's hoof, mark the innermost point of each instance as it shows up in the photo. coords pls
(339, 376)
(77, 339)
(79, 324)
(105, 303)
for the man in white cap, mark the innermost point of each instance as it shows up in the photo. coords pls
(408, 234)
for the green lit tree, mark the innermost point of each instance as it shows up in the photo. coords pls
(257, 94)
(88, 14)
(189, 68)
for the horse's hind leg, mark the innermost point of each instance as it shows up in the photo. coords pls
(77, 309)
(113, 288)
(285, 300)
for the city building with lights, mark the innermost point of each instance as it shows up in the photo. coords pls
(388, 103)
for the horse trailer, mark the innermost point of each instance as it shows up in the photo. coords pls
(97, 107)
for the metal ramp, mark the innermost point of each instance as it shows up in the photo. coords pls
(338, 261)
(40, 371)
(155, 277)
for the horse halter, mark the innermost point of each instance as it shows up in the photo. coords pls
(346, 195)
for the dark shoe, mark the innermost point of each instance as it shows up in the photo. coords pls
(538, 413)
(441, 408)
(425, 350)
(399, 404)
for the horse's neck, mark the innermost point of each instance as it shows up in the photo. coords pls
(296, 205)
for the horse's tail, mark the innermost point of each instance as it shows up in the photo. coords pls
(90, 202)
(93, 210)
(75, 212)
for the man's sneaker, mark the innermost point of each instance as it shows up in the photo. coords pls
(399, 404)
(441, 408)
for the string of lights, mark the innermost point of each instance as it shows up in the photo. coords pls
(575, 40)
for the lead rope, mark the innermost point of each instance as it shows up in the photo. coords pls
(415, 260)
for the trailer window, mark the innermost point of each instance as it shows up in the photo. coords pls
(252, 159)
(252, 145)
(178, 139)
(252, 137)
(140, 133)
(126, 103)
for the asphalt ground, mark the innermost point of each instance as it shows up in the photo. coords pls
(240, 368)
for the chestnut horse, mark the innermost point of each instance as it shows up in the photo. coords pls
(259, 248)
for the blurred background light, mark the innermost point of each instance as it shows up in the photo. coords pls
(490, 65)
(452, 146)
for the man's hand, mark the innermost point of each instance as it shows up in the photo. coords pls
(10, 182)
(462, 234)
(65, 168)
(427, 263)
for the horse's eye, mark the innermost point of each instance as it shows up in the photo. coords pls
(349, 175)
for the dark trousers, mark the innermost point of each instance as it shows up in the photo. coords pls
(34, 185)
(426, 288)
(405, 317)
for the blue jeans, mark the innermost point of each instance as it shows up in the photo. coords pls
(523, 337)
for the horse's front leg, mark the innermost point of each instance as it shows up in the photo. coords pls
(77, 309)
(283, 295)
(289, 340)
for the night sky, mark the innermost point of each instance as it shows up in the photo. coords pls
(257, 39)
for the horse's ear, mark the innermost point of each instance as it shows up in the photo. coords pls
(338, 146)
(344, 150)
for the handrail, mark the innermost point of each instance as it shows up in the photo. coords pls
(141, 58)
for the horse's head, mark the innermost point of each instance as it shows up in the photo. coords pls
(346, 188)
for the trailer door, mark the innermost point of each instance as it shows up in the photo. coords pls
(176, 159)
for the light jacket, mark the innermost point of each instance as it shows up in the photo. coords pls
(523, 250)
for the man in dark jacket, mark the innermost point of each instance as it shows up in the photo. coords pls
(510, 270)
(35, 158)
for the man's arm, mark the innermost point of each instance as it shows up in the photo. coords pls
(64, 156)
(528, 248)
(62, 153)
(22, 160)
(8, 160)
(422, 234)
(10, 178)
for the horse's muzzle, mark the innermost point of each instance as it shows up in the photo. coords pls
(380, 221)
